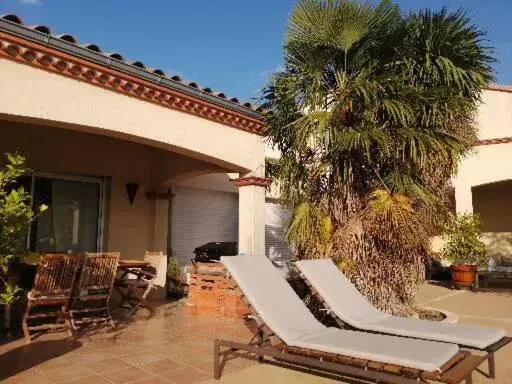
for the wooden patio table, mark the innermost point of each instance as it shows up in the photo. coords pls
(133, 291)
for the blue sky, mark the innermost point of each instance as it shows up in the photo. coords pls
(228, 45)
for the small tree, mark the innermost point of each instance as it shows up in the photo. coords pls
(15, 215)
(464, 245)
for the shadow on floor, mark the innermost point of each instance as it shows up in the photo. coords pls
(25, 357)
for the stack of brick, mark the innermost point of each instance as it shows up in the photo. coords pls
(212, 292)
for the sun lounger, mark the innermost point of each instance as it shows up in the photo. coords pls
(288, 332)
(349, 306)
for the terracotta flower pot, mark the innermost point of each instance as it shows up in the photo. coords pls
(464, 275)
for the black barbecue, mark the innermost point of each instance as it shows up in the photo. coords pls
(213, 251)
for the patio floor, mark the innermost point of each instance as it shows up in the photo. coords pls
(173, 346)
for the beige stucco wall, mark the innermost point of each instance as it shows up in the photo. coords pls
(494, 116)
(487, 163)
(131, 229)
(211, 181)
(103, 133)
(82, 106)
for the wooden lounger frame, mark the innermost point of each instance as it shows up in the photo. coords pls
(266, 343)
(490, 350)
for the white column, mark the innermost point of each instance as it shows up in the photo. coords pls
(161, 225)
(251, 215)
(159, 231)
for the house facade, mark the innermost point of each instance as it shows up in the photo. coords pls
(127, 158)
(130, 159)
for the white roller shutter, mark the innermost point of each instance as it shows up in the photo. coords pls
(201, 216)
(277, 219)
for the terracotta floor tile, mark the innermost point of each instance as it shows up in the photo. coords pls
(94, 379)
(229, 367)
(199, 344)
(83, 349)
(191, 358)
(91, 356)
(179, 339)
(30, 378)
(153, 380)
(105, 344)
(245, 362)
(125, 349)
(206, 366)
(164, 365)
(142, 357)
(131, 337)
(126, 375)
(106, 365)
(186, 375)
(150, 343)
(175, 350)
(74, 371)
(59, 362)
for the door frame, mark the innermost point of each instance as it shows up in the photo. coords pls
(84, 179)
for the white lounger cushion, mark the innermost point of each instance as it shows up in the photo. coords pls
(286, 315)
(353, 308)
(421, 354)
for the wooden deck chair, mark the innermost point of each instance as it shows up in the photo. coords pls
(50, 295)
(350, 309)
(289, 333)
(91, 297)
(134, 291)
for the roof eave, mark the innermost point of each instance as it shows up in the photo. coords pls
(84, 53)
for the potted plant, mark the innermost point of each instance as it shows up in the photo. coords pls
(174, 286)
(464, 248)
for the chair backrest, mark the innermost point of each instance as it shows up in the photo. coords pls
(154, 258)
(56, 274)
(98, 272)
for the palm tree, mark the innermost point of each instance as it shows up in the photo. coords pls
(372, 114)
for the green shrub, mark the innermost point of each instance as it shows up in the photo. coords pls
(174, 270)
(464, 245)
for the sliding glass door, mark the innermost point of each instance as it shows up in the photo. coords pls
(73, 221)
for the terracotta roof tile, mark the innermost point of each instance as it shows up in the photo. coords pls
(138, 64)
(68, 38)
(12, 18)
(117, 56)
(41, 28)
(91, 47)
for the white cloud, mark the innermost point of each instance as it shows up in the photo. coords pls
(33, 2)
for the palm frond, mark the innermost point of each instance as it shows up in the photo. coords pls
(309, 224)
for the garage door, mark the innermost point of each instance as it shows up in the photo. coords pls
(200, 216)
(277, 219)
